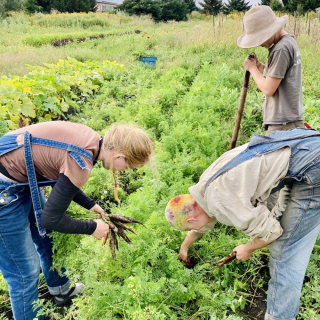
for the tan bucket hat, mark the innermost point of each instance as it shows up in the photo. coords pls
(260, 24)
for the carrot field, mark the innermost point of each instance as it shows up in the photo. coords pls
(187, 104)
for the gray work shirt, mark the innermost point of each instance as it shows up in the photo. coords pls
(286, 103)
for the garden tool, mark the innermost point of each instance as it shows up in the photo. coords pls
(230, 257)
(241, 104)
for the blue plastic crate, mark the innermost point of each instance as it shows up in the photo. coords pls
(149, 61)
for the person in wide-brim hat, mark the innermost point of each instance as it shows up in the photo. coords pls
(279, 79)
(260, 24)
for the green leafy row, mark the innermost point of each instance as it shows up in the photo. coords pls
(40, 40)
(48, 92)
(189, 110)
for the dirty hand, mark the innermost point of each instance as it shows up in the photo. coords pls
(101, 230)
(243, 252)
(98, 209)
(250, 63)
(254, 56)
(183, 255)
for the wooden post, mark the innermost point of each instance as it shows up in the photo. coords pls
(214, 30)
(307, 18)
(295, 23)
(309, 28)
(220, 20)
(242, 22)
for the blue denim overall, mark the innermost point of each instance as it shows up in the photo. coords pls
(290, 254)
(23, 241)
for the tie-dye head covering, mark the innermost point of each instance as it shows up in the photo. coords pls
(179, 209)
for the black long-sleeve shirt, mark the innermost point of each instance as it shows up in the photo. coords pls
(53, 214)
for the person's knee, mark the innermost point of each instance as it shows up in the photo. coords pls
(30, 279)
(25, 286)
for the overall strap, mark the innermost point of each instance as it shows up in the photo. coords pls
(8, 143)
(241, 157)
(74, 151)
(33, 182)
(260, 145)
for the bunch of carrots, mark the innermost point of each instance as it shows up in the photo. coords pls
(117, 228)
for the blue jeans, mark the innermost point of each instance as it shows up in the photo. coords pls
(22, 250)
(290, 254)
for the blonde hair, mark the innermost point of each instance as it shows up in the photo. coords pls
(133, 142)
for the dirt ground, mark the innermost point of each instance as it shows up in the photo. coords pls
(256, 309)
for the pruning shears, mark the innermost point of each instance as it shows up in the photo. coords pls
(230, 257)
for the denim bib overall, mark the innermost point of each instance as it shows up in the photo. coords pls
(23, 241)
(290, 253)
(8, 143)
(304, 145)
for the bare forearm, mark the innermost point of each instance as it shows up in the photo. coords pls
(257, 243)
(189, 240)
(268, 85)
(259, 79)
(260, 67)
(245, 251)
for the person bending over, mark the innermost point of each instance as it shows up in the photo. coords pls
(234, 190)
(61, 154)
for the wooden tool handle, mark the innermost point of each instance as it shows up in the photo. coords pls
(240, 109)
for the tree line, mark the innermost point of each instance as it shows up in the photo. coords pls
(178, 9)
(301, 6)
(160, 10)
(45, 6)
(291, 6)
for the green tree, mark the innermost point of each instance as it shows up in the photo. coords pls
(59, 5)
(276, 5)
(10, 5)
(265, 2)
(141, 7)
(2, 7)
(191, 5)
(302, 6)
(236, 5)
(45, 5)
(32, 6)
(92, 5)
(174, 10)
(212, 6)
(160, 9)
(73, 5)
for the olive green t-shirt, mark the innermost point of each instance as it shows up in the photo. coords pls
(284, 62)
